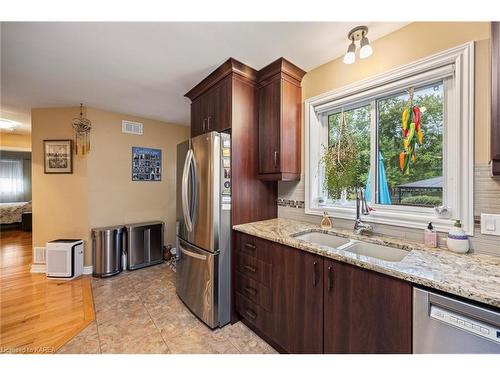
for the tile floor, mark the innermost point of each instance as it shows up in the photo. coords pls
(139, 312)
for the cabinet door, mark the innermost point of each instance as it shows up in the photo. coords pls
(219, 107)
(269, 127)
(365, 312)
(297, 300)
(198, 116)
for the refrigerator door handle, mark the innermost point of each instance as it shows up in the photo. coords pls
(185, 198)
(191, 254)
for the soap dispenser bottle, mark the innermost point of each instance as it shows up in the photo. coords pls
(326, 223)
(458, 240)
(430, 236)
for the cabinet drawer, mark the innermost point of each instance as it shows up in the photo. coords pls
(255, 247)
(254, 291)
(253, 313)
(253, 268)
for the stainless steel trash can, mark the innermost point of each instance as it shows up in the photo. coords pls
(144, 244)
(107, 248)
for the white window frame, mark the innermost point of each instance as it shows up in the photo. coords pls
(458, 136)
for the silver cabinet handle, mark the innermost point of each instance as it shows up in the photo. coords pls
(208, 122)
(251, 291)
(250, 268)
(330, 281)
(251, 314)
(203, 126)
(275, 159)
(314, 273)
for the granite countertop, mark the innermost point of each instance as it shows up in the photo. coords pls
(476, 277)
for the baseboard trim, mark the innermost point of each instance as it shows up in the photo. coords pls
(38, 268)
(42, 268)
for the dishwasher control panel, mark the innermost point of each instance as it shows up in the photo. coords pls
(466, 323)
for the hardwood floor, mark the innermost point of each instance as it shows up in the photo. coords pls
(37, 315)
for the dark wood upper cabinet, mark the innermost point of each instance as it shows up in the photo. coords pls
(211, 111)
(365, 312)
(198, 116)
(280, 103)
(495, 98)
(226, 101)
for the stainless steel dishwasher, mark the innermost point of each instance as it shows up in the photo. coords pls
(446, 325)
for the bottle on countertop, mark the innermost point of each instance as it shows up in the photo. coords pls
(458, 240)
(430, 236)
(326, 222)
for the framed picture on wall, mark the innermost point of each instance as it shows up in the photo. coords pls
(146, 164)
(58, 156)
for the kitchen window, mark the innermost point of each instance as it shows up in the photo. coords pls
(354, 138)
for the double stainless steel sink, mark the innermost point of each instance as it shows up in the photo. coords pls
(386, 253)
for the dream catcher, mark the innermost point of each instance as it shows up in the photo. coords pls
(412, 133)
(81, 129)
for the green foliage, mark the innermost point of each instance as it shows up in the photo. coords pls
(347, 165)
(422, 200)
(390, 142)
(429, 154)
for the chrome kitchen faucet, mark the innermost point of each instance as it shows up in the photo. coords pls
(361, 208)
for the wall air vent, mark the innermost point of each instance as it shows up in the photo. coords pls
(132, 127)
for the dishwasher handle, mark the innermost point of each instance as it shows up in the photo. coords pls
(464, 308)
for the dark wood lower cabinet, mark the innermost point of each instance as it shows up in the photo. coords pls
(279, 293)
(365, 312)
(298, 300)
(304, 303)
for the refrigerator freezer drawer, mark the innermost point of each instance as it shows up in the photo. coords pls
(196, 273)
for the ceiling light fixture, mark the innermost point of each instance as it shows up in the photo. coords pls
(6, 124)
(358, 34)
(350, 56)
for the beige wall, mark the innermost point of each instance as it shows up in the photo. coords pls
(60, 201)
(100, 192)
(113, 197)
(13, 141)
(412, 42)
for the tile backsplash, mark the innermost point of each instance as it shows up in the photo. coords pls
(486, 200)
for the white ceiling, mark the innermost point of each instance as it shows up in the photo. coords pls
(145, 69)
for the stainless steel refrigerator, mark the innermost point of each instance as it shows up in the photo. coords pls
(204, 226)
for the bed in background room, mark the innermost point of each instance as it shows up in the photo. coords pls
(12, 213)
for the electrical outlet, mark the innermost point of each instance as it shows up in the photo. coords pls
(490, 224)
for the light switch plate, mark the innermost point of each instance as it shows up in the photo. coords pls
(490, 224)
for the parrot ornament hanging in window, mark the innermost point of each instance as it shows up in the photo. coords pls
(412, 134)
